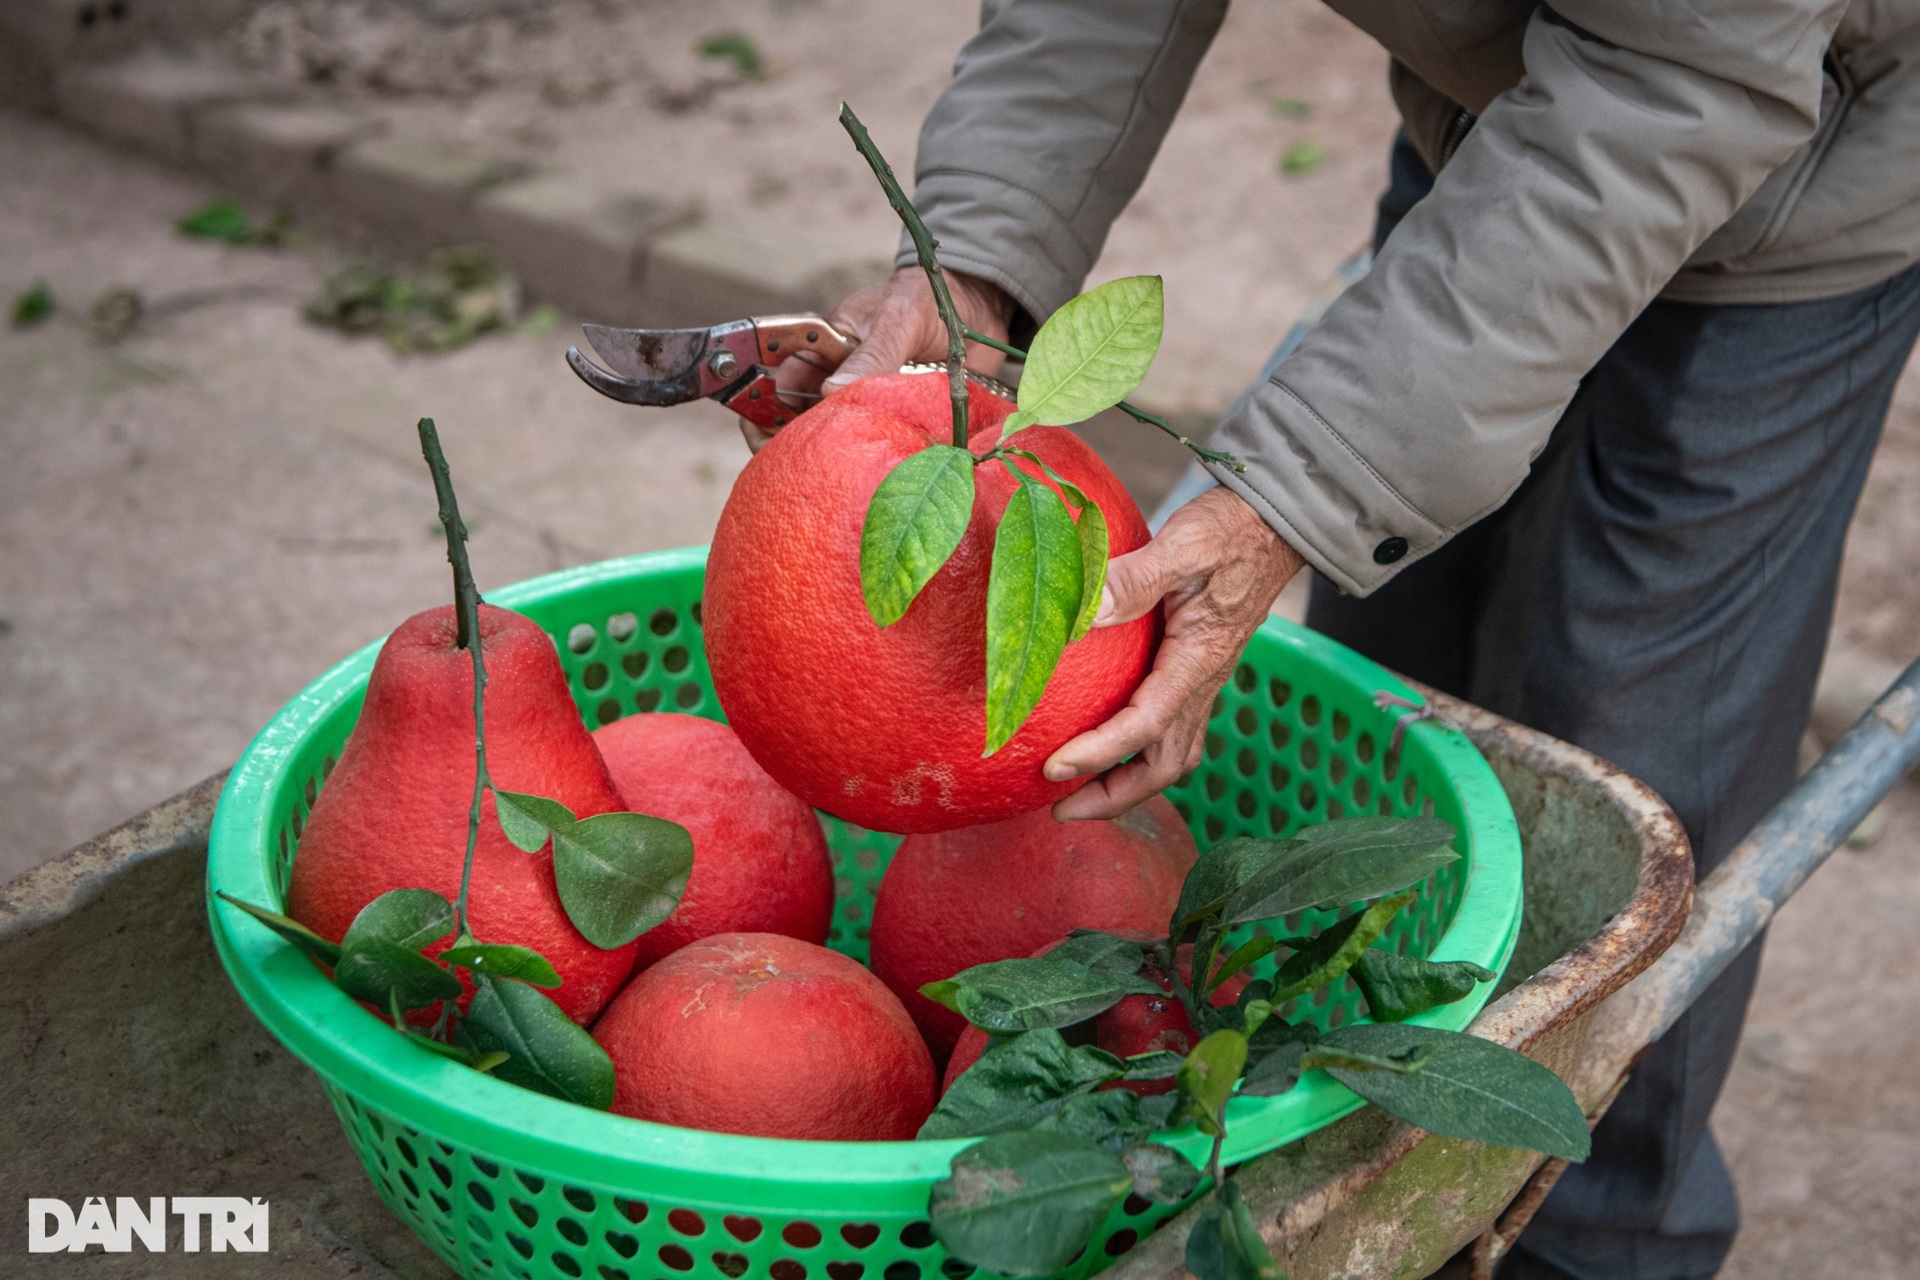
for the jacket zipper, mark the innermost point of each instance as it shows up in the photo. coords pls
(1457, 130)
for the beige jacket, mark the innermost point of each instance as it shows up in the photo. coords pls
(1619, 150)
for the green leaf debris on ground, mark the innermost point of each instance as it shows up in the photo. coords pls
(228, 222)
(33, 306)
(736, 47)
(459, 294)
(1302, 158)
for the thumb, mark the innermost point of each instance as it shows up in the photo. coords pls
(883, 351)
(1136, 583)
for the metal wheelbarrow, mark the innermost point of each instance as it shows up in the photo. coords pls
(134, 1069)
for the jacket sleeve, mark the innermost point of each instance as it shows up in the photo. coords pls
(1054, 113)
(1419, 402)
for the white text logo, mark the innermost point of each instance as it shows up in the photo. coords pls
(230, 1223)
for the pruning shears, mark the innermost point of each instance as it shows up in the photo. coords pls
(732, 363)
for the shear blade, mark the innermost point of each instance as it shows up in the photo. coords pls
(652, 355)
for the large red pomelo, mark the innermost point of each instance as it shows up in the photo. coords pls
(393, 814)
(955, 899)
(885, 728)
(760, 861)
(762, 1034)
(1138, 1024)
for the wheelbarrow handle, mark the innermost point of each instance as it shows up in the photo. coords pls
(1735, 902)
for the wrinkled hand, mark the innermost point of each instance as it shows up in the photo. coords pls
(1216, 568)
(895, 323)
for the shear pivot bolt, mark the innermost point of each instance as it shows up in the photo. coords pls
(723, 364)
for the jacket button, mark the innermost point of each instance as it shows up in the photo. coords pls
(1390, 550)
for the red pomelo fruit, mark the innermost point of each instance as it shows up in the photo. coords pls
(886, 728)
(760, 861)
(960, 898)
(761, 1034)
(393, 814)
(1138, 1024)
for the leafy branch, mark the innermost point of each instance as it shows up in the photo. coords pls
(1060, 1149)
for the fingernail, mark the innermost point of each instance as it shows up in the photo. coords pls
(1104, 614)
(1060, 771)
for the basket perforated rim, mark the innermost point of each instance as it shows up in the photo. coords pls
(356, 1052)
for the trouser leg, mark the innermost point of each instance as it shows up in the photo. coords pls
(1659, 592)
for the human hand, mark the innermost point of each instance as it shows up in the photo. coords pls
(1216, 567)
(896, 323)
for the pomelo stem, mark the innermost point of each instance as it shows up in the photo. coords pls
(466, 608)
(923, 245)
(1127, 407)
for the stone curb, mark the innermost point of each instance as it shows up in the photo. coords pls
(614, 257)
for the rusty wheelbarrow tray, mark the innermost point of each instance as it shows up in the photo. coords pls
(134, 1069)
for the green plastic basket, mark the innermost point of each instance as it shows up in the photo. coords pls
(500, 1181)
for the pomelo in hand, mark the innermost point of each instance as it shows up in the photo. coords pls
(760, 861)
(762, 1034)
(955, 899)
(393, 814)
(885, 728)
(1138, 1024)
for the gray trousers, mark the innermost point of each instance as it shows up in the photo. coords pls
(1659, 592)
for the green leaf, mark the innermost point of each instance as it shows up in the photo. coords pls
(529, 821)
(1466, 1088)
(1108, 1118)
(406, 918)
(1097, 950)
(458, 1053)
(1397, 987)
(1033, 598)
(327, 953)
(1207, 1078)
(1334, 951)
(1018, 1082)
(222, 220)
(386, 973)
(1224, 1243)
(1217, 873)
(1160, 1174)
(1026, 1203)
(1246, 953)
(1336, 863)
(380, 960)
(620, 874)
(1274, 1053)
(1331, 1057)
(734, 47)
(545, 1051)
(1160, 1064)
(1292, 108)
(33, 306)
(915, 520)
(1006, 996)
(503, 960)
(1303, 157)
(1091, 529)
(1091, 353)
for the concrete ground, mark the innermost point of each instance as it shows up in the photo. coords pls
(197, 521)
